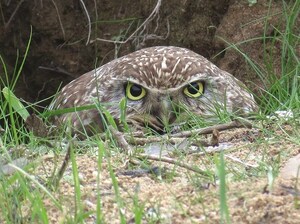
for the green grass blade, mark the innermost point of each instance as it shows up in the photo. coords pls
(223, 198)
(101, 151)
(37, 184)
(15, 103)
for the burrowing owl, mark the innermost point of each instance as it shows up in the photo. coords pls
(158, 83)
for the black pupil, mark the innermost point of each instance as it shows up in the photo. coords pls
(193, 88)
(135, 90)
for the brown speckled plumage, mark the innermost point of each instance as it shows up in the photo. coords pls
(163, 72)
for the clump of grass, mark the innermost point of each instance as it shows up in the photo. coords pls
(8, 114)
(283, 91)
(21, 195)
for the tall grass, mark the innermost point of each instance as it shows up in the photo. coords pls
(281, 88)
(283, 91)
(9, 117)
(21, 195)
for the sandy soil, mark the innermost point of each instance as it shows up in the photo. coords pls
(183, 196)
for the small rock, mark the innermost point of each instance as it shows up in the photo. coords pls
(291, 168)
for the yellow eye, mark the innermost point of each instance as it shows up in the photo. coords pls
(194, 89)
(135, 91)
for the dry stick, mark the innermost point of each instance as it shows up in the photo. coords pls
(169, 139)
(208, 151)
(13, 14)
(63, 167)
(59, 20)
(145, 140)
(89, 21)
(212, 129)
(172, 161)
(57, 70)
(215, 138)
(119, 136)
(175, 138)
(219, 127)
(149, 18)
(240, 161)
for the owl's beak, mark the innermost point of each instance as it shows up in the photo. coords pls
(162, 111)
(167, 114)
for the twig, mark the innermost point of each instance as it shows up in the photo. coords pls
(214, 141)
(205, 151)
(164, 138)
(210, 129)
(13, 14)
(146, 140)
(119, 137)
(59, 20)
(175, 162)
(149, 18)
(240, 161)
(135, 138)
(89, 21)
(58, 70)
(63, 167)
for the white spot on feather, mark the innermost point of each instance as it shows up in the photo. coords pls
(65, 101)
(76, 101)
(164, 63)
(167, 74)
(94, 91)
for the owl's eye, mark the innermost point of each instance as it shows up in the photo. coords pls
(135, 91)
(194, 89)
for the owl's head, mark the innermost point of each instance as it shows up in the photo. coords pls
(159, 84)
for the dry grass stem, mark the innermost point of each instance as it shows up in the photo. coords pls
(210, 129)
(120, 139)
(57, 70)
(59, 175)
(6, 25)
(60, 22)
(241, 162)
(173, 161)
(142, 26)
(89, 21)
